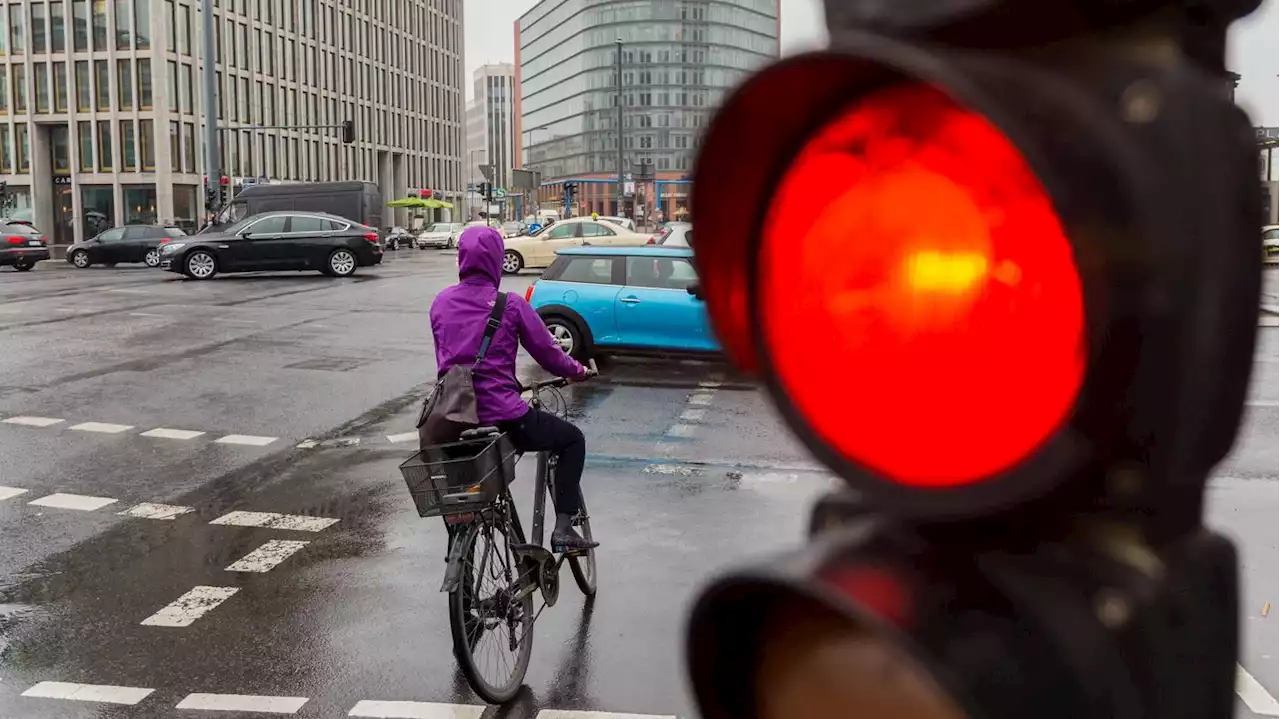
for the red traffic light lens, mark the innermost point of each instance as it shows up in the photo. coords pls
(920, 302)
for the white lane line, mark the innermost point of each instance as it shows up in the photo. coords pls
(271, 520)
(166, 433)
(681, 430)
(185, 610)
(403, 437)
(700, 400)
(242, 703)
(73, 501)
(307, 444)
(693, 415)
(769, 478)
(1254, 695)
(104, 427)
(709, 384)
(680, 470)
(10, 492)
(267, 556)
(414, 710)
(148, 510)
(88, 692)
(565, 714)
(248, 439)
(144, 314)
(34, 421)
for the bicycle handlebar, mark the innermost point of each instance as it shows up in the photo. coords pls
(558, 382)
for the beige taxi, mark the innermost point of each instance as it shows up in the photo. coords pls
(538, 251)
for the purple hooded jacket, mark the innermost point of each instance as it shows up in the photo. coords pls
(458, 317)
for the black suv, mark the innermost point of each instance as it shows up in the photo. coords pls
(132, 243)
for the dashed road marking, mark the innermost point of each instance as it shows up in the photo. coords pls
(693, 415)
(566, 714)
(403, 437)
(34, 421)
(268, 556)
(185, 610)
(104, 693)
(271, 520)
(103, 427)
(79, 502)
(166, 433)
(681, 430)
(248, 439)
(414, 710)
(149, 510)
(307, 444)
(710, 384)
(1254, 695)
(243, 703)
(11, 492)
(702, 399)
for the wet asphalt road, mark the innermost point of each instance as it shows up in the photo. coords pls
(688, 472)
(355, 614)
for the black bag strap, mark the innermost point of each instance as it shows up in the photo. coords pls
(492, 325)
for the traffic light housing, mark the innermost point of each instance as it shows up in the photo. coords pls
(348, 131)
(570, 192)
(1002, 277)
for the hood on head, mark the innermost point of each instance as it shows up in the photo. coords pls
(480, 254)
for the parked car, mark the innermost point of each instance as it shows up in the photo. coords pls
(440, 234)
(623, 300)
(357, 202)
(675, 234)
(320, 241)
(132, 243)
(23, 246)
(1271, 243)
(393, 238)
(539, 249)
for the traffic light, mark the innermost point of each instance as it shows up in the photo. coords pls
(570, 189)
(1003, 278)
(348, 131)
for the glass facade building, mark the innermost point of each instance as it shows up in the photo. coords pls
(679, 59)
(102, 110)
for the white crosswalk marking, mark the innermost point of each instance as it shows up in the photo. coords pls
(267, 556)
(185, 610)
(693, 415)
(148, 510)
(415, 710)
(1254, 695)
(403, 437)
(271, 520)
(166, 433)
(79, 502)
(10, 492)
(34, 421)
(566, 714)
(103, 427)
(88, 692)
(243, 703)
(246, 439)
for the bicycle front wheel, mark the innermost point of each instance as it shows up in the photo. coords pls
(491, 613)
(583, 564)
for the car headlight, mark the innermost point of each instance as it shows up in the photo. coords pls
(171, 247)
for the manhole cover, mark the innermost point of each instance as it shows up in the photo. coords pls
(328, 364)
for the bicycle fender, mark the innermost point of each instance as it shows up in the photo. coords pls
(453, 563)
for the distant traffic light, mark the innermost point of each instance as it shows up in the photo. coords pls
(348, 131)
(1009, 295)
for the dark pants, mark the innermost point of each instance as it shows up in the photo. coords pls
(544, 432)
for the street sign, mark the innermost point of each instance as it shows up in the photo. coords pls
(471, 187)
(487, 171)
(499, 193)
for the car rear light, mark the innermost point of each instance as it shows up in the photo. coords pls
(528, 294)
(13, 240)
(164, 240)
(372, 237)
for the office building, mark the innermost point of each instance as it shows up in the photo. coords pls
(101, 103)
(491, 122)
(678, 60)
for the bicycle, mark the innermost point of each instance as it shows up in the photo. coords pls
(468, 484)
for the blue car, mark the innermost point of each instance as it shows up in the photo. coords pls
(633, 300)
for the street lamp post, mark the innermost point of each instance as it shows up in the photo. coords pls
(211, 153)
(528, 145)
(621, 161)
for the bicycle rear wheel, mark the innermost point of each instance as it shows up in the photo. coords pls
(491, 623)
(583, 564)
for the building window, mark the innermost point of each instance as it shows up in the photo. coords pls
(188, 106)
(57, 27)
(147, 141)
(189, 147)
(19, 89)
(144, 84)
(99, 24)
(17, 26)
(98, 202)
(124, 21)
(24, 148)
(184, 206)
(173, 86)
(128, 158)
(102, 72)
(6, 156)
(83, 92)
(41, 77)
(175, 147)
(106, 161)
(80, 25)
(171, 23)
(59, 87)
(85, 133)
(60, 143)
(124, 76)
(4, 93)
(142, 24)
(39, 38)
(140, 205)
(184, 29)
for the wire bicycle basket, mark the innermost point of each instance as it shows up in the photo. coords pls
(459, 477)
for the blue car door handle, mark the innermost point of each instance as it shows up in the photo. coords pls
(630, 300)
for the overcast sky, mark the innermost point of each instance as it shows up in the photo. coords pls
(1255, 45)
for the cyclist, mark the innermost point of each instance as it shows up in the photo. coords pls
(458, 318)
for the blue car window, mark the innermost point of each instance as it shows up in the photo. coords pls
(660, 272)
(593, 270)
